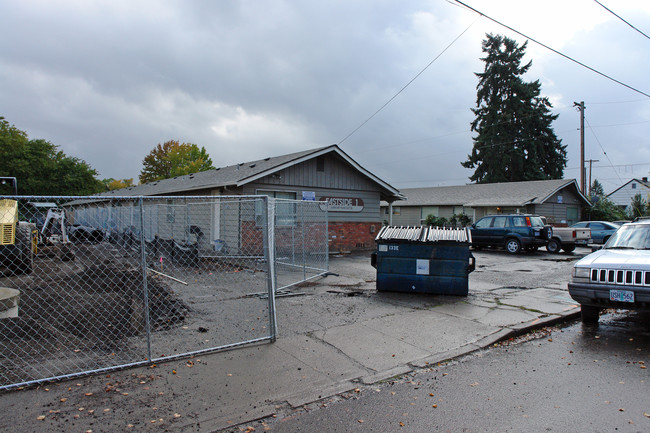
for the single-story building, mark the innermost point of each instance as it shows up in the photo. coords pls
(323, 174)
(559, 200)
(623, 195)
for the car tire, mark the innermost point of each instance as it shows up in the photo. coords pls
(568, 248)
(513, 246)
(553, 246)
(589, 313)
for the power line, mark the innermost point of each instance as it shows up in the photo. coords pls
(603, 149)
(554, 50)
(406, 85)
(617, 16)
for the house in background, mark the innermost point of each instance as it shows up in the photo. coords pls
(623, 195)
(323, 174)
(560, 201)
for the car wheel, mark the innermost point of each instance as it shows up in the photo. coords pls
(569, 248)
(553, 246)
(513, 246)
(589, 313)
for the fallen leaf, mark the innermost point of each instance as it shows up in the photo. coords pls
(360, 421)
(63, 400)
(430, 394)
(88, 394)
(40, 417)
(173, 371)
(473, 384)
(401, 424)
(129, 426)
(646, 414)
(434, 405)
(177, 415)
(620, 409)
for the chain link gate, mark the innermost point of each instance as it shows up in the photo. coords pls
(90, 284)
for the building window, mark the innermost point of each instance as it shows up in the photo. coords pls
(429, 210)
(633, 185)
(397, 210)
(285, 212)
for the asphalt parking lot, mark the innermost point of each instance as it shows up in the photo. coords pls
(336, 334)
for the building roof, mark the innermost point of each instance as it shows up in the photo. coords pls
(489, 194)
(643, 182)
(244, 173)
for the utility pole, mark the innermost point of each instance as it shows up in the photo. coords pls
(581, 107)
(590, 162)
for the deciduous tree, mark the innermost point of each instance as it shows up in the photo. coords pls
(515, 140)
(113, 184)
(174, 159)
(40, 168)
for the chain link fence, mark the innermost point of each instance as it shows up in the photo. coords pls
(89, 284)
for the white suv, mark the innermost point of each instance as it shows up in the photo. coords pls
(616, 276)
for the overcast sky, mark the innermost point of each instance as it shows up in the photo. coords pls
(107, 81)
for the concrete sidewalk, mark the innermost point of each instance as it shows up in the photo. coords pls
(337, 334)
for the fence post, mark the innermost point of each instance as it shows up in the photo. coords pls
(327, 238)
(145, 288)
(269, 256)
(302, 224)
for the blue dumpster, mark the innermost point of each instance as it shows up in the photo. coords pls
(423, 260)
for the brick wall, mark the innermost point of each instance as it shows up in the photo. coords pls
(343, 236)
(348, 236)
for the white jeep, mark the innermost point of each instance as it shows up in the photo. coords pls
(618, 275)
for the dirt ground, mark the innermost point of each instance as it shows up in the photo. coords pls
(88, 313)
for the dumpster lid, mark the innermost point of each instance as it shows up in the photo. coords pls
(424, 234)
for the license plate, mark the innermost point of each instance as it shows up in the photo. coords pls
(621, 295)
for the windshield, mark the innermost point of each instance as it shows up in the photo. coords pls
(634, 236)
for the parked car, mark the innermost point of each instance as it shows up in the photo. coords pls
(600, 230)
(514, 232)
(566, 238)
(617, 276)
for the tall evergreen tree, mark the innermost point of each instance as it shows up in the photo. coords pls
(515, 140)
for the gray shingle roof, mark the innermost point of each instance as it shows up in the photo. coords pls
(487, 194)
(240, 174)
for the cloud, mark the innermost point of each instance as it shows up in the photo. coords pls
(107, 81)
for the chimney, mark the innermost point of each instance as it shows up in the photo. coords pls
(645, 179)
